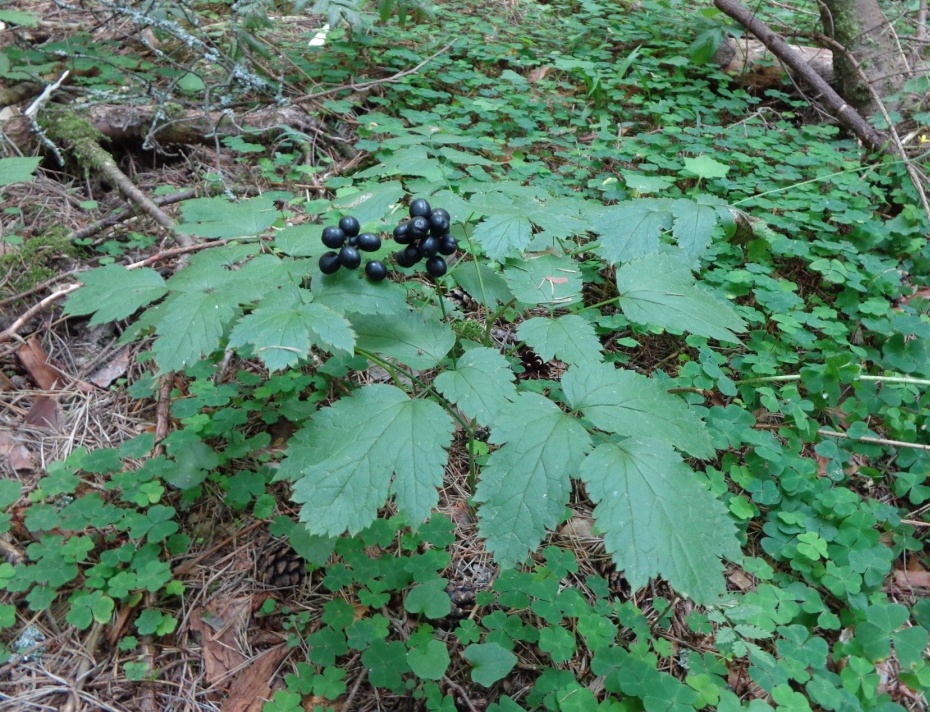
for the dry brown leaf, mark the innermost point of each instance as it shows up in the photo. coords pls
(578, 528)
(44, 413)
(17, 455)
(116, 367)
(741, 580)
(5, 383)
(252, 687)
(537, 73)
(912, 579)
(222, 626)
(37, 363)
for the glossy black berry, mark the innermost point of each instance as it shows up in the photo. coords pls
(442, 212)
(402, 234)
(333, 237)
(376, 271)
(448, 245)
(329, 263)
(419, 227)
(349, 226)
(438, 224)
(419, 208)
(368, 242)
(429, 246)
(352, 241)
(349, 257)
(436, 266)
(400, 257)
(412, 254)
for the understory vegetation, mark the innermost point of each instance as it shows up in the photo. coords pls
(653, 438)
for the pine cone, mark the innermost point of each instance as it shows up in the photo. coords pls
(279, 566)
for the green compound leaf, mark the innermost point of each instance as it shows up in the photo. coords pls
(550, 280)
(492, 662)
(558, 642)
(283, 329)
(191, 326)
(18, 170)
(220, 218)
(525, 485)
(114, 292)
(503, 236)
(480, 385)
(344, 460)
(410, 161)
(659, 290)
(429, 598)
(429, 661)
(411, 337)
(348, 292)
(693, 227)
(658, 519)
(568, 338)
(370, 203)
(631, 229)
(706, 167)
(301, 241)
(627, 403)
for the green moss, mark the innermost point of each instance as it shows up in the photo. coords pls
(37, 260)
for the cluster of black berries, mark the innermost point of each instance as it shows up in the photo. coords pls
(426, 235)
(345, 238)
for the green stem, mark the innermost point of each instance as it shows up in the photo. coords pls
(599, 304)
(393, 370)
(906, 380)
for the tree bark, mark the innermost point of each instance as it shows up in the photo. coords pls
(872, 64)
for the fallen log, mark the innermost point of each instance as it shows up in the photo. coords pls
(758, 68)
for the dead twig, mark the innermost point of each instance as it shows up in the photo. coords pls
(11, 331)
(119, 216)
(366, 86)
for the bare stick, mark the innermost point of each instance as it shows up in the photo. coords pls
(10, 331)
(844, 113)
(121, 215)
(365, 86)
(44, 97)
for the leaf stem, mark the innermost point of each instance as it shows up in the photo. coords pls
(393, 370)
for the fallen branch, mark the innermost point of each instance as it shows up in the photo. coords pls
(844, 113)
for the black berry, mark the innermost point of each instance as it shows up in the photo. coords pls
(419, 208)
(412, 254)
(438, 224)
(376, 271)
(419, 227)
(436, 266)
(429, 246)
(400, 257)
(448, 245)
(329, 263)
(349, 257)
(333, 237)
(350, 226)
(402, 234)
(368, 242)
